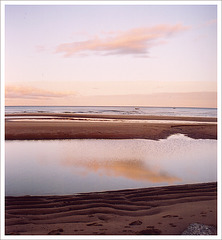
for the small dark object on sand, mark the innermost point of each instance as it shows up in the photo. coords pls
(138, 222)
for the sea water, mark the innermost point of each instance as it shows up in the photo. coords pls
(131, 110)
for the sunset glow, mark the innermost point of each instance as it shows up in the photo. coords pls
(114, 55)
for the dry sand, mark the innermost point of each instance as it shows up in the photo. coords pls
(148, 211)
(36, 130)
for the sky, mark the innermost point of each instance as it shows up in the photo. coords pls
(114, 55)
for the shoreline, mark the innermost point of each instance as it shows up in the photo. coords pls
(115, 116)
(166, 210)
(46, 130)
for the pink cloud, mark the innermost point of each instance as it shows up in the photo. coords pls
(210, 22)
(33, 93)
(135, 41)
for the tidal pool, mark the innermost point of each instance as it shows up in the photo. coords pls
(55, 167)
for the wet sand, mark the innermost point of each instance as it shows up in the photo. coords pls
(148, 211)
(119, 128)
(112, 116)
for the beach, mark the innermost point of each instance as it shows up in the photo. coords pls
(111, 120)
(85, 126)
(148, 211)
(165, 210)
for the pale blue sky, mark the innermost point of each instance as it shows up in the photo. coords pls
(84, 43)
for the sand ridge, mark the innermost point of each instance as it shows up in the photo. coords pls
(145, 211)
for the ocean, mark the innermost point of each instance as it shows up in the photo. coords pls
(127, 110)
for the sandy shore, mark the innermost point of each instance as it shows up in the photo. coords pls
(60, 129)
(148, 211)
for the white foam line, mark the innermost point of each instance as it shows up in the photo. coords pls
(104, 120)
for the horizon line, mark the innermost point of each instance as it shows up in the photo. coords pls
(105, 106)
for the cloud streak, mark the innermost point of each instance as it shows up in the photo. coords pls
(210, 22)
(33, 93)
(136, 41)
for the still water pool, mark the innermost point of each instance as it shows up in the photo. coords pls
(51, 167)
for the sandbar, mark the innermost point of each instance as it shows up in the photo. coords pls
(39, 130)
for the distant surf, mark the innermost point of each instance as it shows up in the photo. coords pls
(120, 110)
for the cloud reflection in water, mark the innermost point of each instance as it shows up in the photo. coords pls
(131, 169)
(72, 166)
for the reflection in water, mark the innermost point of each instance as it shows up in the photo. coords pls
(132, 169)
(72, 166)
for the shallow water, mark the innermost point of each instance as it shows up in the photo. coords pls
(78, 119)
(74, 166)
